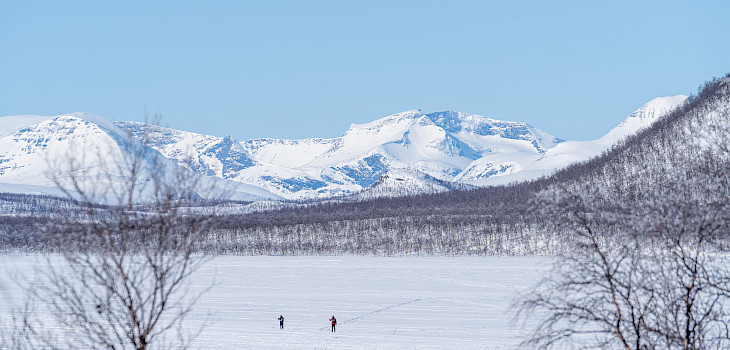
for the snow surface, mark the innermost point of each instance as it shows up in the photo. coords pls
(380, 302)
(31, 189)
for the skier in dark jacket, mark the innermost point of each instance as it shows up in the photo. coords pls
(334, 322)
(281, 321)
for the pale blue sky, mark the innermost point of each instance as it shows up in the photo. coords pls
(297, 69)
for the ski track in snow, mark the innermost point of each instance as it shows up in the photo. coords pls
(385, 302)
(373, 313)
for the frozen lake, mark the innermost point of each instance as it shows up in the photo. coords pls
(379, 302)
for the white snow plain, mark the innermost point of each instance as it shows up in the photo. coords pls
(431, 302)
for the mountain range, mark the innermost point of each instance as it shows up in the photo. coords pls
(407, 152)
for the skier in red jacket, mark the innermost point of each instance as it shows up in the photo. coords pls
(334, 322)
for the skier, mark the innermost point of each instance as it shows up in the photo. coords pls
(334, 322)
(281, 321)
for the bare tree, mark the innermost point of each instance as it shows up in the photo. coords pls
(129, 249)
(590, 298)
(648, 272)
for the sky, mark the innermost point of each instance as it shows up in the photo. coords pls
(304, 69)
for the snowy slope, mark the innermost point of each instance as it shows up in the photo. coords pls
(11, 124)
(208, 155)
(32, 146)
(570, 152)
(642, 118)
(31, 143)
(400, 182)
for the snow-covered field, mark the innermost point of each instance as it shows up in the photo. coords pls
(379, 302)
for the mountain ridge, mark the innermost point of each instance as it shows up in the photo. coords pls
(446, 147)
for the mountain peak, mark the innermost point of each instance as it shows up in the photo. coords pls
(658, 107)
(644, 116)
(90, 117)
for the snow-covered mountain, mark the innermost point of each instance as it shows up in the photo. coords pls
(575, 151)
(405, 152)
(400, 182)
(32, 146)
(438, 146)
